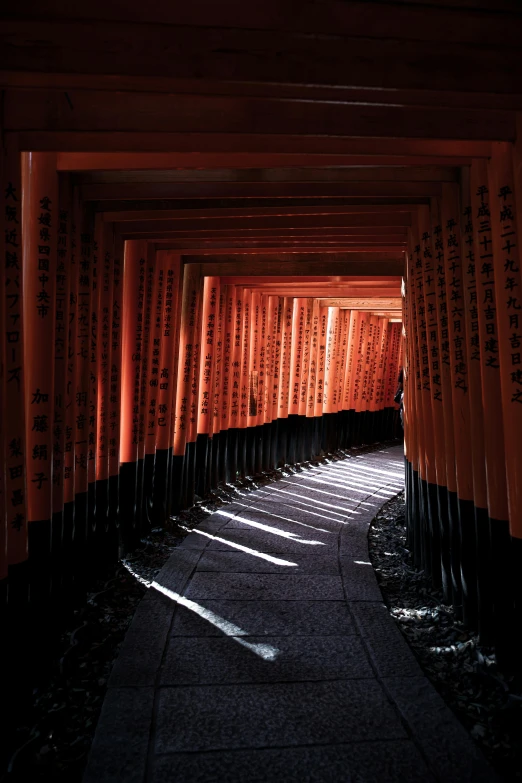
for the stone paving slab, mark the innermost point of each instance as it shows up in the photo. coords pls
(212, 717)
(389, 762)
(270, 587)
(203, 661)
(271, 618)
(263, 652)
(236, 562)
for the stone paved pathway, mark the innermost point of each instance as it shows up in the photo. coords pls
(263, 652)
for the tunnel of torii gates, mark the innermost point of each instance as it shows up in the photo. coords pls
(139, 375)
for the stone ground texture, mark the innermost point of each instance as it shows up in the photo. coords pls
(263, 652)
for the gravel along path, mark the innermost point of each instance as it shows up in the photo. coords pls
(486, 701)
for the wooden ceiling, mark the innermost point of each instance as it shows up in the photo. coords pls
(273, 139)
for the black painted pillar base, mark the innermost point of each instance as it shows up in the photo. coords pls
(203, 447)
(231, 462)
(486, 620)
(507, 646)
(223, 470)
(292, 424)
(468, 563)
(267, 435)
(160, 506)
(190, 475)
(282, 442)
(454, 526)
(434, 526)
(445, 543)
(128, 500)
(177, 470)
(258, 448)
(242, 452)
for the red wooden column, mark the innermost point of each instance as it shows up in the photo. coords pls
(61, 357)
(495, 464)
(182, 474)
(170, 263)
(427, 464)
(218, 439)
(284, 376)
(235, 363)
(206, 390)
(330, 378)
(105, 242)
(244, 384)
(436, 499)
(420, 535)
(135, 260)
(450, 545)
(13, 456)
(295, 373)
(450, 213)
(114, 409)
(506, 219)
(312, 379)
(478, 458)
(305, 427)
(348, 405)
(40, 222)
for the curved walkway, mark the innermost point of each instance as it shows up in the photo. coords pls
(264, 652)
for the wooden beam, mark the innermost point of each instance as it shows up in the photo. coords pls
(274, 222)
(88, 110)
(321, 264)
(436, 62)
(244, 213)
(222, 190)
(370, 302)
(258, 248)
(458, 21)
(148, 161)
(277, 175)
(165, 141)
(306, 280)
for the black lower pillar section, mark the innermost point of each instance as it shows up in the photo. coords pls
(176, 483)
(68, 554)
(203, 468)
(223, 470)
(503, 581)
(291, 453)
(454, 524)
(282, 438)
(445, 543)
(57, 563)
(250, 447)
(231, 462)
(215, 462)
(160, 511)
(242, 452)
(274, 444)
(148, 491)
(434, 527)
(266, 462)
(486, 625)
(80, 546)
(140, 520)
(128, 500)
(258, 448)
(39, 537)
(468, 563)
(190, 475)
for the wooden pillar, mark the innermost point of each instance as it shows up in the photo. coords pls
(13, 456)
